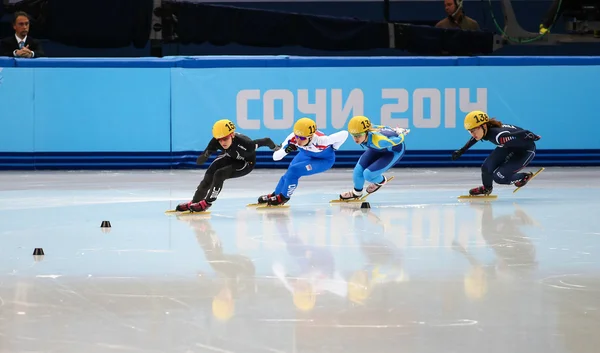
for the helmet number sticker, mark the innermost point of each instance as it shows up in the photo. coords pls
(481, 118)
(365, 124)
(311, 129)
(230, 126)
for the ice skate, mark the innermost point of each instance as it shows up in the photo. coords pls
(376, 186)
(520, 183)
(523, 182)
(277, 200)
(189, 207)
(201, 206)
(481, 191)
(184, 206)
(351, 195)
(262, 201)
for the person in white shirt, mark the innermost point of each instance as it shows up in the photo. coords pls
(316, 155)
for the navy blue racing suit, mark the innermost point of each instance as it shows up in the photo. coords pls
(516, 149)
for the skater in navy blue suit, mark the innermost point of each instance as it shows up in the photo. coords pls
(516, 149)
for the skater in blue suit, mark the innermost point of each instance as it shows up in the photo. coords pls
(385, 147)
(316, 155)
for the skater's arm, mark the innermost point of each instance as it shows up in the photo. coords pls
(337, 140)
(456, 154)
(287, 147)
(521, 138)
(208, 151)
(469, 144)
(266, 142)
(248, 146)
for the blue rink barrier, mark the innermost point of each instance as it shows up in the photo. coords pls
(151, 113)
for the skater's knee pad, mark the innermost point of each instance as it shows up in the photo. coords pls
(371, 176)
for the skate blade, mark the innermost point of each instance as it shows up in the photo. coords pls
(477, 197)
(533, 176)
(349, 200)
(362, 198)
(174, 212)
(255, 204)
(262, 207)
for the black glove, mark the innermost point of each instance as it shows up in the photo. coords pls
(201, 159)
(290, 148)
(276, 148)
(456, 154)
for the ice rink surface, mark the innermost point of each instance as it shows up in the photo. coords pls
(417, 272)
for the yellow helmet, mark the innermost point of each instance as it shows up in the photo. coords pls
(223, 128)
(305, 127)
(475, 118)
(358, 125)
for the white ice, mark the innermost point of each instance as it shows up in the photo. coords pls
(417, 272)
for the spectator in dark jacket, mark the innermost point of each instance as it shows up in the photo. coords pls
(21, 45)
(456, 17)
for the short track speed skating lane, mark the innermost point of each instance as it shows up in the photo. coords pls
(419, 269)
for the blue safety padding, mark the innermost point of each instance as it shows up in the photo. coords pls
(306, 61)
(538, 60)
(299, 61)
(344, 159)
(233, 61)
(7, 62)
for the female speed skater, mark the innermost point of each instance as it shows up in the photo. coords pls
(316, 155)
(385, 147)
(237, 160)
(515, 150)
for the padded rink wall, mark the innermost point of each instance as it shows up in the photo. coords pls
(158, 113)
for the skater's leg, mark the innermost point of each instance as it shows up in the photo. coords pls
(374, 173)
(363, 163)
(491, 163)
(236, 169)
(508, 173)
(295, 170)
(263, 199)
(370, 167)
(204, 186)
(303, 165)
(203, 189)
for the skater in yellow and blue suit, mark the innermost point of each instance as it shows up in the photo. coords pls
(385, 147)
